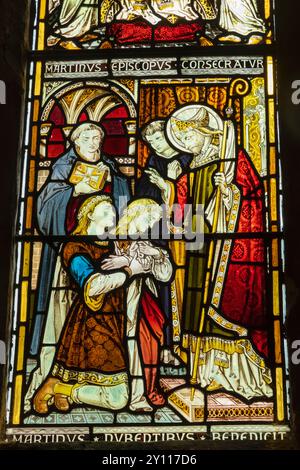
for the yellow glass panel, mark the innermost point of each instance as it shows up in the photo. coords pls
(279, 395)
(272, 121)
(43, 4)
(251, 127)
(36, 108)
(267, 9)
(266, 186)
(273, 199)
(179, 283)
(273, 167)
(17, 399)
(34, 141)
(178, 251)
(277, 337)
(38, 73)
(276, 308)
(21, 346)
(275, 254)
(41, 37)
(274, 228)
(24, 301)
(31, 184)
(270, 72)
(26, 261)
(29, 212)
(191, 183)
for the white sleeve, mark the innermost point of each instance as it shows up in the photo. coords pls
(162, 268)
(166, 194)
(227, 200)
(102, 283)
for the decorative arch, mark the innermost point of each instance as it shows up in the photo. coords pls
(93, 101)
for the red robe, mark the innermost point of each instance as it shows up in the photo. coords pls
(151, 337)
(137, 32)
(244, 291)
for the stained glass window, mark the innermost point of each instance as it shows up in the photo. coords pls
(148, 278)
(94, 24)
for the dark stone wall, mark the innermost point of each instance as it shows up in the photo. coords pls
(13, 47)
(13, 53)
(288, 72)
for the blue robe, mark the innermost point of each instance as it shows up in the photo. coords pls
(52, 204)
(147, 189)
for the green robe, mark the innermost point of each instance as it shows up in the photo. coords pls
(203, 189)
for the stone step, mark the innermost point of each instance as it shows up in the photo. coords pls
(221, 406)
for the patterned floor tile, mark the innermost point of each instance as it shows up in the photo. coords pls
(133, 418)
(80, 416)
(166, 415)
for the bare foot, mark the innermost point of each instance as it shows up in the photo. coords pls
(141, 406)
(157, 398)
(43, 395)
(61, 402)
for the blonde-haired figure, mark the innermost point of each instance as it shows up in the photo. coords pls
(146, 263)
(58, 203)
(140, 215)
(89, 366)
(59, 200)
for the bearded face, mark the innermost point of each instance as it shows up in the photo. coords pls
(193, 140)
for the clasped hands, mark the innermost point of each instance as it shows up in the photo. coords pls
(139, 263)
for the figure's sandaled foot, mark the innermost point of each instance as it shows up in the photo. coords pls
(213, 386)
(141, 406)
(230, 38)
(61, 402)
(255, 39)
(43, 395)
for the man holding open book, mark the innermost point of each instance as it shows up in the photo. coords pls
(80, 172)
